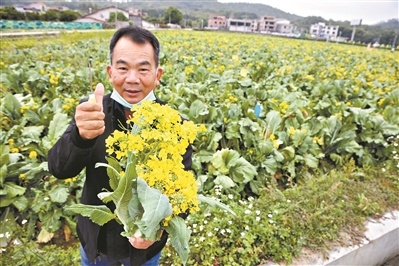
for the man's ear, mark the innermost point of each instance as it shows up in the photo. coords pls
(109, 72)
(159, 75)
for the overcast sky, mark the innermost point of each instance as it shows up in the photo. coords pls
(370, 12)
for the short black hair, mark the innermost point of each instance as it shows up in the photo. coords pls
(137, 35)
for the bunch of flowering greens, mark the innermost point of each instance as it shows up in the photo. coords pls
(150, 186)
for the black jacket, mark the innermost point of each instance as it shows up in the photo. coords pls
(69, 156)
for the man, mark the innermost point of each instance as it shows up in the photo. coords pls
(134, 74)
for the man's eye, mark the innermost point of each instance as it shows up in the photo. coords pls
(122, 68)
(143, 69)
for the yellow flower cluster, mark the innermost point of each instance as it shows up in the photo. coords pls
(159, 139)
(69, 104)
(284, 106)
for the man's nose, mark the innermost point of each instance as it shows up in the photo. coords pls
(132, 76)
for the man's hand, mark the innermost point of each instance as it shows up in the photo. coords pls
(140, 243)
(89, 115)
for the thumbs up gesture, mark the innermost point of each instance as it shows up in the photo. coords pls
(89, 116)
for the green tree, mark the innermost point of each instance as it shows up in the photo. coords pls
(69, 15)
(172, 15)
(9, 12)
(119, 17)
(32, 16)
(51, 15)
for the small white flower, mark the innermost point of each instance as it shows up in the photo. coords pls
(194, 225)
(271, 221)
(247, 227)
(17, 242)
(222, 231)
(247, 212)
(24, 221)
(210, 234)
(216, 229)
(230, 222)
(228, 231)
(270, 215)
(257, 218)
(250, 206)
(242, 234)
(257, 212)
(202, 239)
(46, 198)
(288, 200)
(383, 170)
(201, 228)
(230, 196)
(251, 198)
(205, 222)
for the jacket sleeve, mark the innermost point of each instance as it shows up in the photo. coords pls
(70, 154)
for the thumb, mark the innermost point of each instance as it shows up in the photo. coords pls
(99, 94)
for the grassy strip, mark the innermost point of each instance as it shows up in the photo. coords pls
(63, 38)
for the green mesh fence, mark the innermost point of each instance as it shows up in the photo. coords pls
(19, 24)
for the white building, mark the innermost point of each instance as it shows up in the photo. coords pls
(321, 31)
(102, 15)
(241, 25)
(284, 27)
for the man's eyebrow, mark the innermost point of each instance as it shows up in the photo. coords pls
(141, 63)
(121, 61)
(144, 63)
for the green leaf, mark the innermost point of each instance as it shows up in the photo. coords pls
(311, 160)
(98, 214)
(214, 203)
(13, 189)
(243, 171)
(222, 160)
(11, 106)
(224, 181)
(31, 134)
(57, 126)
(59, 194)
(124, 192)
(113, 172)
(179, 237)
(156, 208)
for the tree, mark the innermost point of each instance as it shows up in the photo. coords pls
(172, 15)
(69, 15)
(119, 17)
(10, 13)
(51, 15)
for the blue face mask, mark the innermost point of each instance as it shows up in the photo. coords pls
(118, 98)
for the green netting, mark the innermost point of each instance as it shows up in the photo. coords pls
(19, 24)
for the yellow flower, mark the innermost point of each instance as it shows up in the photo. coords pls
(33, 155)
(291, 131)
(243, 72)
(14, 150)
(159, 138)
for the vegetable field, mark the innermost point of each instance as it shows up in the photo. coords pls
(323, 105)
